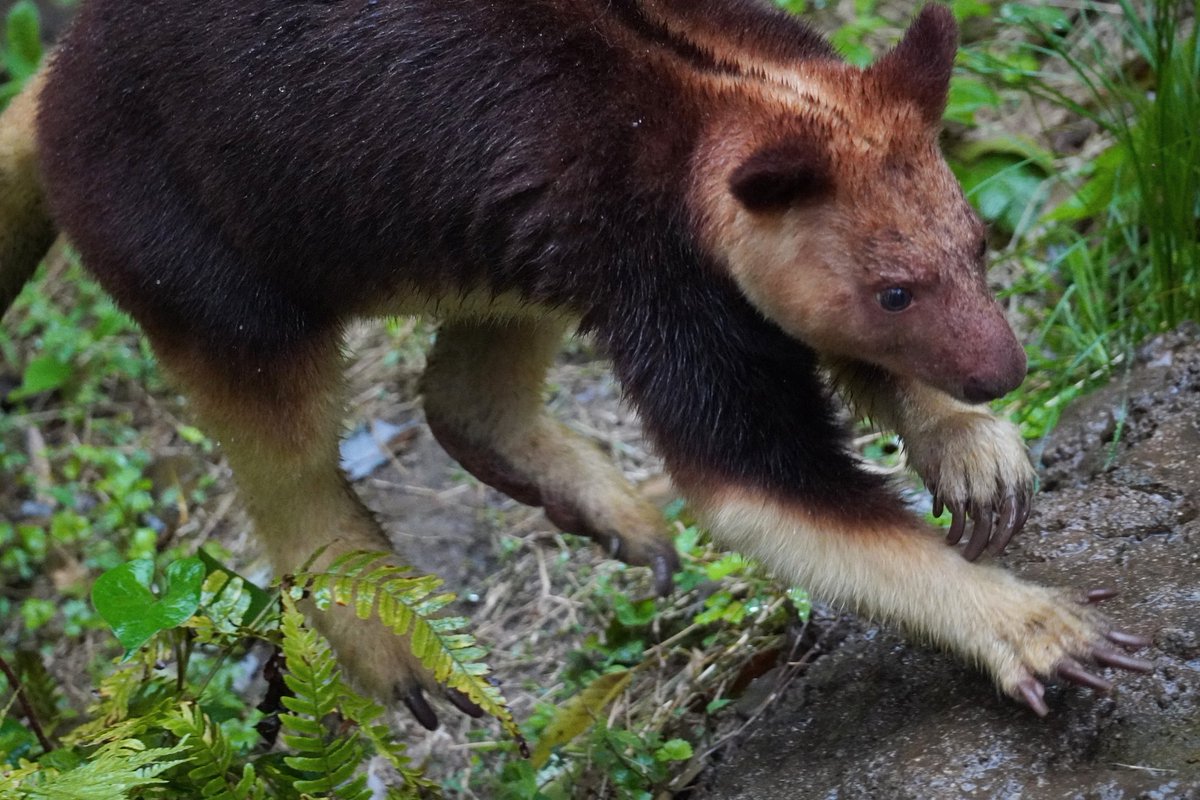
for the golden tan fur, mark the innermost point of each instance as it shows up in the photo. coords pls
(1012, 629)
(829, 91)
(25, 227)
(847, 246)
(963, 452)
(505, 433)
(285, 466)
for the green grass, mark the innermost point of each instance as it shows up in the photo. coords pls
(1118, 260)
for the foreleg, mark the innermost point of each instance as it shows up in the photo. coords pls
(751, 438)
(974, 462)
(1018, 632)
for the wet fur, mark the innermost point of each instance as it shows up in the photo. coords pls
(718, 210)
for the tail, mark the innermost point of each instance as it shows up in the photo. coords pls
(26, 230)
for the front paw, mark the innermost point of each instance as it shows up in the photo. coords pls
(975, 464)
(1047, 635)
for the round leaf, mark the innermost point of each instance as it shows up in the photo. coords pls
(124, 599)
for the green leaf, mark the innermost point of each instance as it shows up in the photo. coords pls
(328, 759)
(36, 612)
(716, 704)
(674, 750)
(725, 566)
(1094, 196)
(259, 598)
(801, 600)
(406, 604)
(687, 539)
(43, 374)
(968, 95)
(190, 434)
(965, 9)
(518, 781)
(1017, 146)
(1002, 186)
(210, 764)
(634, 615)
(579, 713)
(123, 597)
(16, 740)
(23, 39)
(115, 771)
(1041, 15)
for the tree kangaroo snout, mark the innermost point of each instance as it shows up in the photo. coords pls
(729, 209)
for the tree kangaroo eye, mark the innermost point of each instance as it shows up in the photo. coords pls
(895, 298)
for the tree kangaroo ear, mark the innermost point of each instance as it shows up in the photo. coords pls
(919, 67)
(782, 175)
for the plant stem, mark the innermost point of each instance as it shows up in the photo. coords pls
(26, 706)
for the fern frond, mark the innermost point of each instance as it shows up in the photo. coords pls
(110, 720)
(365, 713)
(225, 600)
(211, 757)
(12, 778)
(41, 690)
(112, 773)
(408, 605)
(329, 761)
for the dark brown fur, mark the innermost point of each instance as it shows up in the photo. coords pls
(350, 147)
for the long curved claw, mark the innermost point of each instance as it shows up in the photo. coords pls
(1031, 692)
(958, 523)
(1115, 658)
(982, 532)
(1126, 639)
(464, 703)
(1024, 507)
(1099, 595)
(938, 506)
(1009, 513)
(992, 528)
(1073, 671)
(421, 711)
(663, 567)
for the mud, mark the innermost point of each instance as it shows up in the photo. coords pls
(880, 718)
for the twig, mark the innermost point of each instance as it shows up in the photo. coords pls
(26, 706)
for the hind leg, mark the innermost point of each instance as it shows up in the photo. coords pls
(483, 400)
(26, 231)
(278, 422)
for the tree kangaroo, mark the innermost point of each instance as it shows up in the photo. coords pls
(703, 186)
